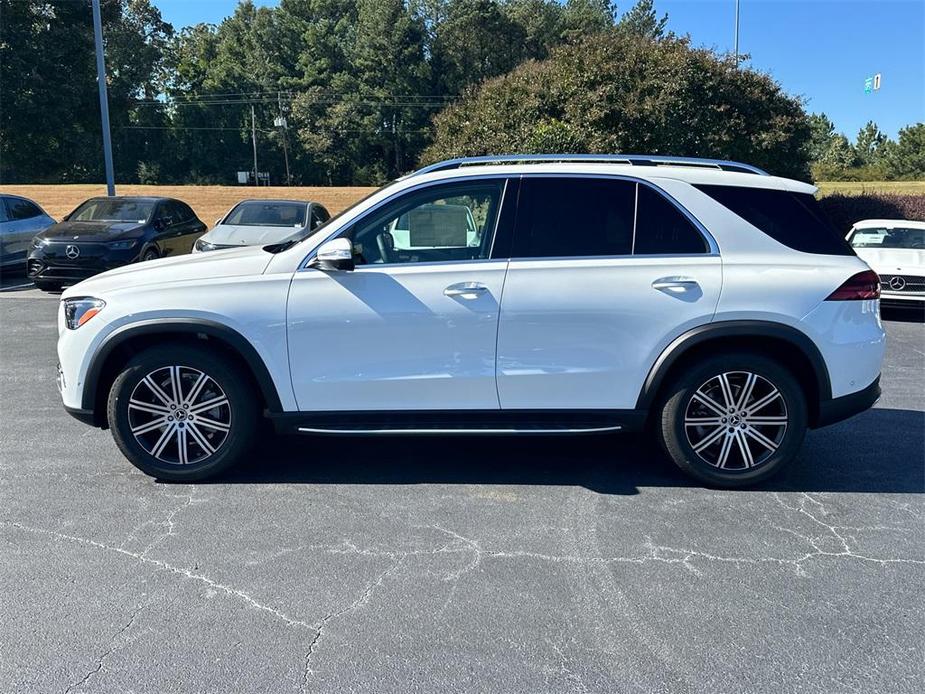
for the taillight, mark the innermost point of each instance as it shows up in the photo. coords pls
(864, 285)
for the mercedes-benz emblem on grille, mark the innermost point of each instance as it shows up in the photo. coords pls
(897, 284)
(72, 252)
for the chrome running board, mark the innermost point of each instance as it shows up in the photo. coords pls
(451, 431)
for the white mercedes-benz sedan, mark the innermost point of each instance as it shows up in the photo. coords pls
(704, 301)
(262, 222)
(895, 250)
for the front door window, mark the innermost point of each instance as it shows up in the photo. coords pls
(438, 224)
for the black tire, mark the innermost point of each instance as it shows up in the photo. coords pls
(150, 254)
(47, 286)
(679, 437)
(223, 379)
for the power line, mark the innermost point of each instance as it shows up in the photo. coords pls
(289, 93)
(320, 102)
(264, 130)
(191, 127)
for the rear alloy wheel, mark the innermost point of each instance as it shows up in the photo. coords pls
(150, 254)
(181, 414)
(734, 420)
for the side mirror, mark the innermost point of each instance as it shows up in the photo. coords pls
(336, 254)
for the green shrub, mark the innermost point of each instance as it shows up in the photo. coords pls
(615, 93)
(845, 210)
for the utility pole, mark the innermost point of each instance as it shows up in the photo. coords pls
(736, 49)
(284, 131)
(104, 98)
(254, 141)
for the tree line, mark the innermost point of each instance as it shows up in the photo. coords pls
(871, 157)
(360, 91)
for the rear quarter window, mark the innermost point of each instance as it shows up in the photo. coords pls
(793, 219)
(18, 208)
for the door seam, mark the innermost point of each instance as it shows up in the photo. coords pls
(507, 269)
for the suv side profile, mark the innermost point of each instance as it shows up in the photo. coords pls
(703, 299)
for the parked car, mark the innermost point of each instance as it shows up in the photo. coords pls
(263, 222)
(705, 299)
(110, 232)
(895, 249)
(20, 220)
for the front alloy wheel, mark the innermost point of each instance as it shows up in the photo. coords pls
(181, 413)
(733, 419)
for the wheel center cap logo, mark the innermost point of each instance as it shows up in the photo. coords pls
(735, 419)
(181, 414)
(72, 252)
(897, 283)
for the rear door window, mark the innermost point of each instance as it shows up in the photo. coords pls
(569, 217)
(793, 219)
(662, 229)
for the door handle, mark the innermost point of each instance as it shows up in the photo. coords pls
(675, 284)
(465, 290)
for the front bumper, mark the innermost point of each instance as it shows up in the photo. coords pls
(53, 267)
(838, 409)
(902, 299)
(84, 416)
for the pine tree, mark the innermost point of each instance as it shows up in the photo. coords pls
(641, 20)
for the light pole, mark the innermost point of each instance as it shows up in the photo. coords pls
(104, 98)
(736, 43)
(254, 141)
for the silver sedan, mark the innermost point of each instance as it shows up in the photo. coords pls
(20, 220)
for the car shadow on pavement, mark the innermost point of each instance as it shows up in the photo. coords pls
(880, 451)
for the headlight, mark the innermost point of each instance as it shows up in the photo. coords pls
(122, 245)
(204, 245)
(39, 241)
(79, 311)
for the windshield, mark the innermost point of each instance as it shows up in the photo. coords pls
(267, 214)
(113, 210)
(881, 237)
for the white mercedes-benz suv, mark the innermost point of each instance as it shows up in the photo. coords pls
(704, 300)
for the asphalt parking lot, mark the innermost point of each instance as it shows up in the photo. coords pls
(455, 565)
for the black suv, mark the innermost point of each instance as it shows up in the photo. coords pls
(105, 233)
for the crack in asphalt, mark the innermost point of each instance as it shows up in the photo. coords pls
(170, 568)
(308, 671)
(110, 649)
(807, 507)
(167, 522)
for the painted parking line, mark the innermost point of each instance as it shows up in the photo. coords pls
(16, 286)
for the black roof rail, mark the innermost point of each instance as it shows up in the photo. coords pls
(633, 159)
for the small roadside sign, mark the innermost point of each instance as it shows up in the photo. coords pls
(872, 84)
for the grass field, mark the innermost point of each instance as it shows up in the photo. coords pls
(860, 187)
(211, 202)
